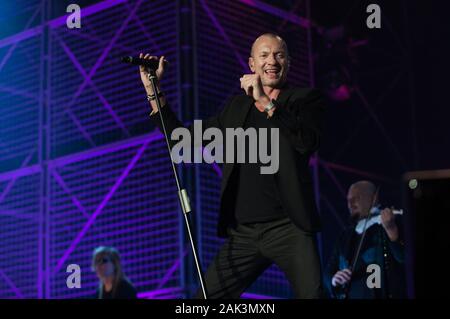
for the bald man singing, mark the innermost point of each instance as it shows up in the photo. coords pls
(265, 218)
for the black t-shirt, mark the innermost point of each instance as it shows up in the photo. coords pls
(257, 195)
(125, 290)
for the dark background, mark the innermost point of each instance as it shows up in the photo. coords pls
(395, 116)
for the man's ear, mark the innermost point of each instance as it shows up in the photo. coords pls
(251, 64)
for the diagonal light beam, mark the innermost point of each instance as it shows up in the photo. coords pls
(100, 207)
(66, 188)
(355, 171)
(334, 179)
(94, 87)
(18, 92)
(13, 47)
(172, 269)
(361, 124)
(103, 56)
(380, 125)
(331, 208)
(291, 17)
(16, 214)
(13, 180)
(79, 126)
(11, 284)
(224, 34)
(144, 31)
(288, 14)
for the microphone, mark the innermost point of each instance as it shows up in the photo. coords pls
(151, 64)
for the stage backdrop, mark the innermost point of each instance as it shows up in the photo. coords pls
(80, 163)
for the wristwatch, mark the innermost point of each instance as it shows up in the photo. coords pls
(268, 108)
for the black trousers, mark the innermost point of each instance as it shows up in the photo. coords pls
(252, 248)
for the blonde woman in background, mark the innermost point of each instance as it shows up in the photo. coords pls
(113, 283)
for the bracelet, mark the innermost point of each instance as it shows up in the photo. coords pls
(152, 97)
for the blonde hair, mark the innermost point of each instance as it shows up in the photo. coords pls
(113, 255)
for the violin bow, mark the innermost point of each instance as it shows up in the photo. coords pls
(358, 250)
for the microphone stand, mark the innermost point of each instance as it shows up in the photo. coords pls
(182, 193)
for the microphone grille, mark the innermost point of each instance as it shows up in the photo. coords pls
(127, 59)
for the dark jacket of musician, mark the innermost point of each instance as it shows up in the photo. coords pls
(376, 249)
(299, 119)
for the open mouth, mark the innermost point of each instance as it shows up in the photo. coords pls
(273, 73)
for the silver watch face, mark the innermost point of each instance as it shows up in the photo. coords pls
(269, 107)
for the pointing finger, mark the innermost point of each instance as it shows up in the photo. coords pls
(161, 62)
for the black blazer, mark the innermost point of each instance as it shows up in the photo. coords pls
(298, 117)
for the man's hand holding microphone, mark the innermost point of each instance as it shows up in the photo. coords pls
(144, 72)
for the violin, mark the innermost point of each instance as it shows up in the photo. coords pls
(361, 228)
(374, 218)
